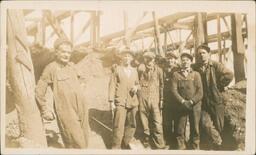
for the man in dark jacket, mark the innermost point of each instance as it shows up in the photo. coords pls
(169, 111)
(215, 77)
(187, 91)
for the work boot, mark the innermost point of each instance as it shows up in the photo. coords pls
(145, 141)
(181, 143)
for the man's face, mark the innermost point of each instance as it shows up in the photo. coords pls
(171, 62)
(64, 53)
(149, 61)
(203, 55)
(127, 59)
(185, 62)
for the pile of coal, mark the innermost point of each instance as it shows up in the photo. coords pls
(234, 129)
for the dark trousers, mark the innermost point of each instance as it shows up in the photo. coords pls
(212, 122)
(194, 119)
(151, 119)
(124, 126)
(169, 123)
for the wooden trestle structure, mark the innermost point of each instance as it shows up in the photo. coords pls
(196, 22)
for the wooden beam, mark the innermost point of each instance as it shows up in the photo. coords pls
(98, 14)
(238, 47)
(59, 15)
(159, 43)
(126, 39)
(72, 26)
(21, 81)
(219, 38)
(54, 22)
(85, 27)
(27, 12)
(200, 32)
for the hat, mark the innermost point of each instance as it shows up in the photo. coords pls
(149, 54)
(60, 41)
(171, 55)
(205, 47)
(186, 55)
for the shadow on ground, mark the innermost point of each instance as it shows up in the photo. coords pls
(104, 117)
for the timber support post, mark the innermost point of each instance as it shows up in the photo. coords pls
(22, 83)
(200, 31)
(238, 47)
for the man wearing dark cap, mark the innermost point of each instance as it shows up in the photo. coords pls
(69, 102)
(151, 100)
(187, 91)
(215, 77)
(169, 111)
(123, 88)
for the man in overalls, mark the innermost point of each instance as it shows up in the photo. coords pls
(69, 101)
(151, 100)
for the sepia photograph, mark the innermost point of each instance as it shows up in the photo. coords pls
(146, 77)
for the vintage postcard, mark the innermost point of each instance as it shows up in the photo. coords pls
(127, 77)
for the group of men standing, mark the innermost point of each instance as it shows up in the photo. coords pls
(165, 98)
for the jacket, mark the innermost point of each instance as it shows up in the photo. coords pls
(120, 87)
(215, 77)
(187, 88)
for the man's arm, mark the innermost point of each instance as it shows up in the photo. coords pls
(225, 75)
(199, 89)
(161, 83)
(174, 88)
(112, 85)
(40, 93)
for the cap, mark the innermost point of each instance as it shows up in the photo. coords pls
(149, 54)
(186, 55)
(60, 41)
(205, 47)
(171, 55)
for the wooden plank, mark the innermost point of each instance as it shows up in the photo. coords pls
(59, 15)
(85, 27)
(200, 32)
(159, 43)
(93, 32)
(219, 38)
(72, 26)
(98, 26)
(54, 22)
(238, 47)
(27, 12)
(126, 39)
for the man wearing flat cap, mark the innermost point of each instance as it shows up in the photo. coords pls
(169, 111)
(151, 100)
(187, 91)
(69, 102)
(215, 76)
(123, 89)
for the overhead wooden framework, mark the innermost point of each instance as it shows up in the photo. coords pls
(159, 29)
